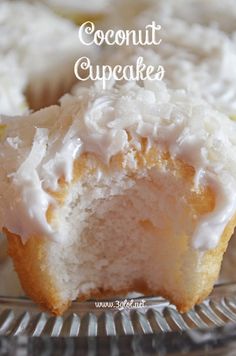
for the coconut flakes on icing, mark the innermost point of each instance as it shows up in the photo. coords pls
(98, 121)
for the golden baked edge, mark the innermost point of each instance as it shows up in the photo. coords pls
(29, 260)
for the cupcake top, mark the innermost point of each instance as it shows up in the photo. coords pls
(201, 61)
(196, 58)
(12, 86)
(34, 34)
(41, 149)
(205, 53)
(213, 13)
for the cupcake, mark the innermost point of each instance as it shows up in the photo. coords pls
(127, 189)
(202, 62)
(212, 13)
(46, 48)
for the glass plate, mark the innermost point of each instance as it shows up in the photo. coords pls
(141, 325)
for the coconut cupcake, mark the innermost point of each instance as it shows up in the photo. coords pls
(202, 62)
(45, 46)
(212, 13)
(126, 189)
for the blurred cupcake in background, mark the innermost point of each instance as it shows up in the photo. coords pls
(12, 87)
(211, 13)
(45, 47)
(80, 11)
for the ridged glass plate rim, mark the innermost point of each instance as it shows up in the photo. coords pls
(147, 315)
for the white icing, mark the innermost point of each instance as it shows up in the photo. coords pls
(61, 165)
(98, 121)
(195, 57)
(30, 202)
(212, 225)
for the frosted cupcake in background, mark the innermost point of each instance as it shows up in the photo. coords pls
(197, 58)
(203, 63)
(45, 46)
(80, 10)
(212, 13)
